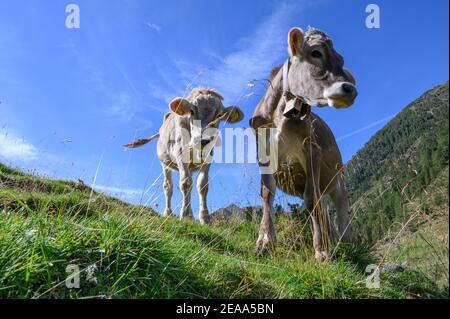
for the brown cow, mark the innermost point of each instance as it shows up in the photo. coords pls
(309, 161)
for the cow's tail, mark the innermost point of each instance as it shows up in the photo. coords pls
(141, 141)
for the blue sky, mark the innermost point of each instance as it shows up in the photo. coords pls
(71, 97)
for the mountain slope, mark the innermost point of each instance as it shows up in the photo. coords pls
(398, 162)
(399, 185)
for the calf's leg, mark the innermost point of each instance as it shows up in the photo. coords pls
(186, 187)
(168, 190)
(266, 239)
(202, 188)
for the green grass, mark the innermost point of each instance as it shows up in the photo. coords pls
(427, 258)
(46, 225)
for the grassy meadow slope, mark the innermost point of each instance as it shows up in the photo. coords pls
(126, 251)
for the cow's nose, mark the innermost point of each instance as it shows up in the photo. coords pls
(349, 89)
(205, 141)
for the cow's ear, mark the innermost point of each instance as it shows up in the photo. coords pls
(233, 114)
(295, 41)
(350, 76)
(180, 106)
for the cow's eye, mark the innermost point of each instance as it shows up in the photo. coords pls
(316, 54)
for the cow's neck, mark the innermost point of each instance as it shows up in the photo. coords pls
(279, 96)
(274, 95)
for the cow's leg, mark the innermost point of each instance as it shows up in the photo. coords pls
(339, 196)
(202, 188)
(312, 200)
(266, 238)
(186, 187)
(168, 190)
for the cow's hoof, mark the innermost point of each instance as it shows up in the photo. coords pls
(265, 244)
(187, 215)
(168, 212)
(205, 219)
(347, 237)
(322, 256)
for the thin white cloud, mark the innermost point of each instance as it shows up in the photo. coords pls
(119, 191)
(258, 53)
(153, 26)
(367, 127)
(121, 104)
(125, 108)
(162, 93)
(261, 51)
(122, 107)
(16, 148)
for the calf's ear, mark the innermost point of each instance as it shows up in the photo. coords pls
(218, 141)
(233, 114)
(350, 76)
(180, 106)
(295, 41)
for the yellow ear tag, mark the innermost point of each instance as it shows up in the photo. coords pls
(218, 141)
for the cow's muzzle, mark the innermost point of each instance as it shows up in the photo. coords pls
(202, 141)
(206, 141)
(341, 94)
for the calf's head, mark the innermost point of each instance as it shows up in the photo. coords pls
(204, 110)
(317, 71)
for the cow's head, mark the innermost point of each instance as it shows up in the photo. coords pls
(317, 71)
(205, 111)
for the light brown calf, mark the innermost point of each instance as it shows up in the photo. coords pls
(186, 140)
